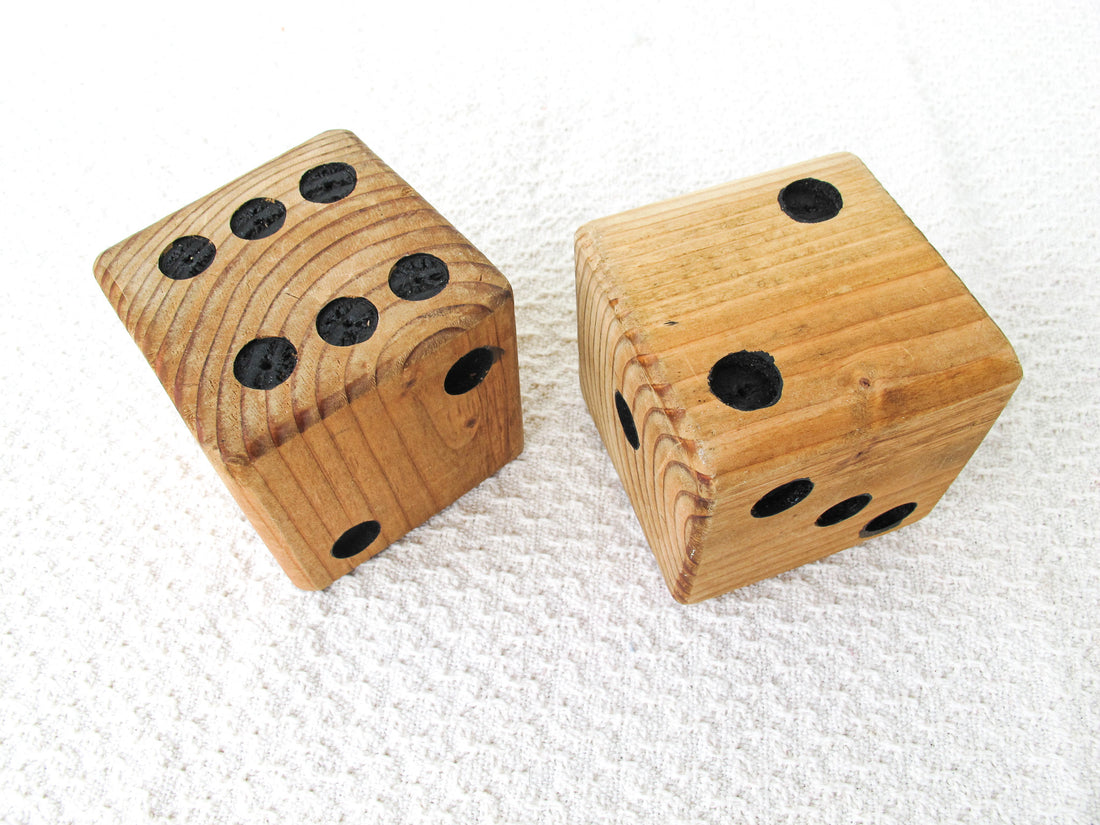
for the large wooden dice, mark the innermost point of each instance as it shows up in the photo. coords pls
(780, 368)
(345, 358)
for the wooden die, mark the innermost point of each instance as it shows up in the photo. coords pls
(780, 368)
(345, 358)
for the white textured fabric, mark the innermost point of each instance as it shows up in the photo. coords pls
(517, 658)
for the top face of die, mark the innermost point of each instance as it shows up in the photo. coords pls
(788, 310)
(285, 294)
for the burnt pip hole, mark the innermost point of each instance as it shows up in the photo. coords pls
(186, 257)
(345, 322)
(746, 380)
(257, 218)
(265, 363)
(889, 520)
(418, 277)
(843, 511)
(810, 200)
(328, 182)
(626, 420)
(783, 497)
(356, 539)
(469, 371)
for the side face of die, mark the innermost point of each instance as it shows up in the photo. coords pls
(780, 368)
(345, 358)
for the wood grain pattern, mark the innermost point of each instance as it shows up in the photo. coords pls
(356, 433)
(892, 372)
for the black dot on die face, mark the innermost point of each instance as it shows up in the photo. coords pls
(328, 182)
(783, 497)
(264, 363)
(345, 322)
(746, 380)
(810, 200)
(842, 511)
(356, 540)
(626, 419)
(418, 277)
(186, 257)
(258, 218)
(469, 371)
(888, 520)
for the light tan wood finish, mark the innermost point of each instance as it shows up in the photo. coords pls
(356, 433)
(892, 372)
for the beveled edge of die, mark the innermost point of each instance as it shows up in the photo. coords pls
(660, 437)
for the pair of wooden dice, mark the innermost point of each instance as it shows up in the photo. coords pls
(779, 368)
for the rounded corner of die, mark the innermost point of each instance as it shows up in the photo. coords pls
(330, 134)
(102, 270)
(310, 585)
(584, 237)
(1014, 370)
(99, 265)
(850, 156)
(846, 158)
(505, 293)
(683, 588)
(679, 594)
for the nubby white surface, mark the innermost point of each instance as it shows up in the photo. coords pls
(518, 658)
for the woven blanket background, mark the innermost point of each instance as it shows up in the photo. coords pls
(517, 658)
